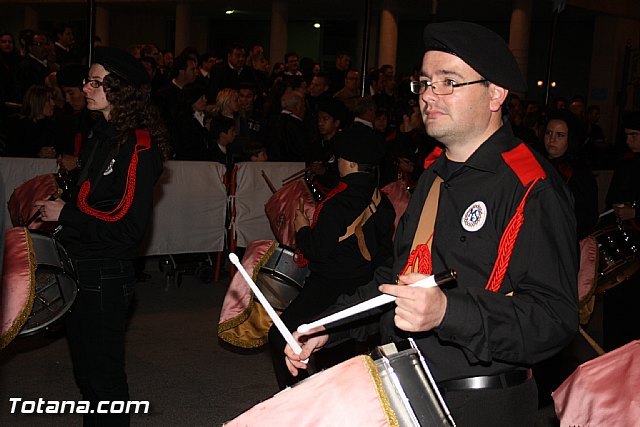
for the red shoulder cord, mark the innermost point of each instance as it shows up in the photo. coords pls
(529, 171)
(143, 142)
(299, 256)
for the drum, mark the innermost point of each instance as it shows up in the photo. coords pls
(282, 206)
(281, 279)
(410, 388)
(358, 392)
(618, 256)
(55, 288)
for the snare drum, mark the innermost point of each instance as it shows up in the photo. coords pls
(618, 257)
(396, 390)
(281, 279)
(55, 288)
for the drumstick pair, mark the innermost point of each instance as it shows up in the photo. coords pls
(428, 282)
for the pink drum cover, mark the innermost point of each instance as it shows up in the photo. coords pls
(241, 319)
(18, 282)
(587, 277)
(602, 391)
(348, 394)
(281, 210)
(23, 197)
(398, 196)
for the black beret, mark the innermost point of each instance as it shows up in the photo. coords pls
(71, 75)
(122, 64)
(631, 120)
(334, 108)
(482, 49)
(359, 144)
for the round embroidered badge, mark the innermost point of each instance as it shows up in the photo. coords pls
(474, 217)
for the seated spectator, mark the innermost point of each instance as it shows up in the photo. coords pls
(232, 72)
(74, 121)
(249, 122)
(287, 137)
(65, 45)
(34, 67)
(191, 139)
(350, 93)
(9, 59)
(183, 73)
(256, 152)
(563, 151)
(31, 132)
(223, 132)
(292, 64)
(322, 159)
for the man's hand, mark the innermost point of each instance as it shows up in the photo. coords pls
(417, 309)
(68, 162)
(310, 342)
(624, 212)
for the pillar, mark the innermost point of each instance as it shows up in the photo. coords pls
(103, 24)
(31, 18)
(278, 39)
(388, 38)
(183, 19)
(519, 31)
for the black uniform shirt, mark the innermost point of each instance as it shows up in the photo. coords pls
(86, 236)
(483, 332)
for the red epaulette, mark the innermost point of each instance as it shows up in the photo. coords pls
(628, 155)
(522, 161)
(432, 157)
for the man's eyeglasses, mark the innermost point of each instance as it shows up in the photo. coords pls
(93, 83)
(444, 87)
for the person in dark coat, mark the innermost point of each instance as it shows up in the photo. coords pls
(339, 259)
(31, 132)
(190, 135)
(504, 221)
(562, 150)
(105, 223)
(621, 322)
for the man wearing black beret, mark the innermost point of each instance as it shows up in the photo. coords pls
(105, 221)
(503, 220)
(347, 238)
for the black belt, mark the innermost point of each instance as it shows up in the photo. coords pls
(508, 379)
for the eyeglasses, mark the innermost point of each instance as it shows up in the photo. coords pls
(93, 83)
(444, 87)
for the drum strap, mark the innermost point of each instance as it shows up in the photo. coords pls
(359, 222)
(419, 260)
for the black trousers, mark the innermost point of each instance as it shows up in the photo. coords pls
(96, 329)
(508, 407)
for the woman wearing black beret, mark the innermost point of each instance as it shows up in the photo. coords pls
(104, 224)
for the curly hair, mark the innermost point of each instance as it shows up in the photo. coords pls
(131, 109)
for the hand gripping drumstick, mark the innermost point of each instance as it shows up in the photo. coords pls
(428, 282)
(270, 311)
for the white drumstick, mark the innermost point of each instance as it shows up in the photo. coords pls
(605, 213)
(270, 311)
(428, 282)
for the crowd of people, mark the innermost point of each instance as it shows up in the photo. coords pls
(511, 167)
